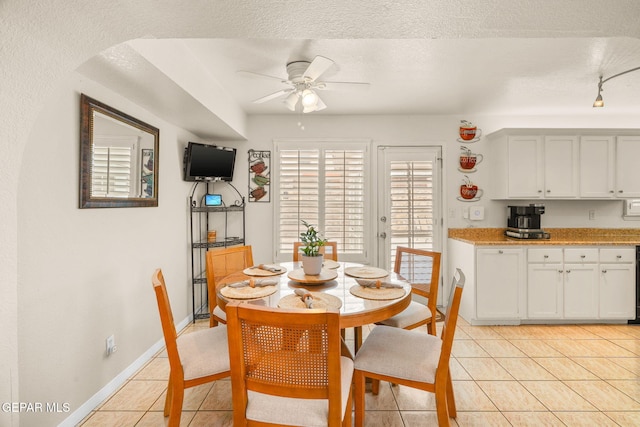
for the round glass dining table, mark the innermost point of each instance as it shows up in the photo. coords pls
(354, 312)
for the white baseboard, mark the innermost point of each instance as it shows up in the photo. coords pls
(113, 385)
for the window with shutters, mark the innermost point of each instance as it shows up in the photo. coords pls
(113, 167)
(325, 183)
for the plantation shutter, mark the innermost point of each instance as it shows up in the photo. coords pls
(325, 186)
(113, 167)
(412, 210)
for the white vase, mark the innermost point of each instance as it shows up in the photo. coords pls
(312, 265)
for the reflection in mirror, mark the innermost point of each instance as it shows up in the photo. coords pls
(118, 158)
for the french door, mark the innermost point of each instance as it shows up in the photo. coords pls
(409, 200)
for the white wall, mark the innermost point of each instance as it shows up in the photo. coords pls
(439, 131)
(85, 274)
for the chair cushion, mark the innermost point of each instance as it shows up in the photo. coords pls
(400, 353)
(298, 412)
(413, 314)
(220, 314)
(204, 352)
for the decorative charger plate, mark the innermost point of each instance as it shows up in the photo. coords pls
(366, 272)
(255, 271)
(248, 292)
(330, 264)
(320, 300)
(377, 293)
(324, 276)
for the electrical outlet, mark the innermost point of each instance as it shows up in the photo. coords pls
(592, 214)
(111, 345)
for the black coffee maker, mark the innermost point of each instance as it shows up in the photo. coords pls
(523, 222)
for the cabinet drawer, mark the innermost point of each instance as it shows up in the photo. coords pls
(544, 255)
(617, 255)
(581, 255)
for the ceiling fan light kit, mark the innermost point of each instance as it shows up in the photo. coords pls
(303, 81)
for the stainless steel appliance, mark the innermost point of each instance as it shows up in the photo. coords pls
(636, 321)
(523, 222)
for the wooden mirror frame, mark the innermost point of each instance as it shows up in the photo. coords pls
(88, 107)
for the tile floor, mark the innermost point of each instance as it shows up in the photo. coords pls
(534, 375)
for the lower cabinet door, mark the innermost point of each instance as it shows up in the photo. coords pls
(544, 291)
(499, 277)
(617, 291)
(580, 291)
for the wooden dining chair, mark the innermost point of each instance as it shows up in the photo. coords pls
(411, 358)
(421, 268)
(287, 367)
(194, 358)
(220, 263)
(332, 253)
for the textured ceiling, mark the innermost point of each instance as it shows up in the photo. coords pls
(459, 59)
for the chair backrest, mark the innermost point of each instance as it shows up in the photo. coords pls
(222, 262)
(329, 250)
(284, 352)
(451, 319)
(168, 325)
(421, 268)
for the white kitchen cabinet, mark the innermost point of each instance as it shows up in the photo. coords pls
(627, 170)
(561, 166)
(499, 276)
(544, 283)
(597, 167)
(580, 283)
(617, 283)
(525, 167)
(564, 163)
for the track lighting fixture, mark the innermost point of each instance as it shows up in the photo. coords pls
(599, 102)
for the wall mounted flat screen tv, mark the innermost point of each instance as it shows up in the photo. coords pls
(203, 162)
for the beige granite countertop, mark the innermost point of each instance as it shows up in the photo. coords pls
(559, 236)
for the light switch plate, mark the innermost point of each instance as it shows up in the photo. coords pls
(476, 213)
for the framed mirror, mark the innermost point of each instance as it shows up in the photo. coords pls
(118, 158)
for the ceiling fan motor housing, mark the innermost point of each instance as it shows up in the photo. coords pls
(296, 70)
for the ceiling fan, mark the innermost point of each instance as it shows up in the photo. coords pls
(303, 85)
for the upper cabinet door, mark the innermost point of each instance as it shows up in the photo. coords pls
(560, 166)
(525, 167)
(597, 157)
(627, 167)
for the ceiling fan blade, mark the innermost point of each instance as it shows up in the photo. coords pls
(320, 105)
(318, 66)
(342, 86)
(258, 75)
(272, 96)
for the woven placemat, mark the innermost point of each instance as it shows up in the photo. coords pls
(376, 293)
(330, 264)
(366, 272)
(255, 271)
(320, 300)
(247, 292)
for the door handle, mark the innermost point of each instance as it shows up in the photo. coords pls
(383, 235)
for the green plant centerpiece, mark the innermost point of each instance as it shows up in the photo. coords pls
(312, 241)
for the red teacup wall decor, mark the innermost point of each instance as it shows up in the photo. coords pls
(468, 132)
(468, 161)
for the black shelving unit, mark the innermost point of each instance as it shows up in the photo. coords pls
(202, 220)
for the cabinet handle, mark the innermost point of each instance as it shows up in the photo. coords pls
(539, 191)
(560, 271)
(546, 256)
(620, 191)
(611, 191)
(583, 256)
(604, 271)
(500, 251)
(548, 191)
(618, 256)
(568, 271)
